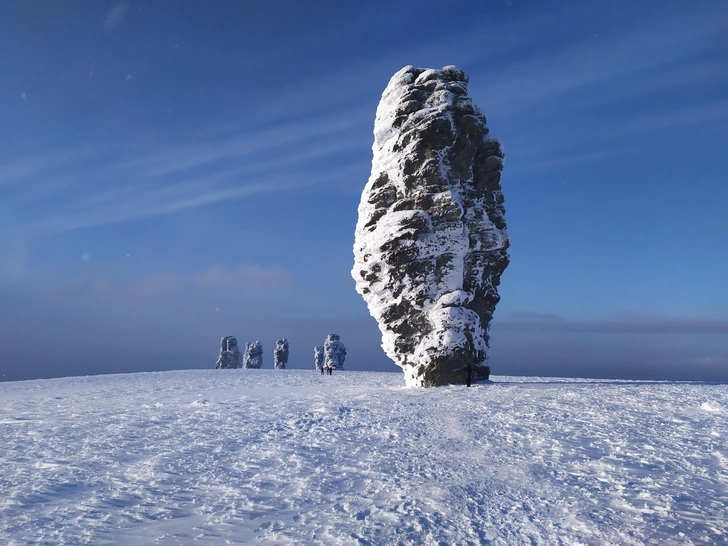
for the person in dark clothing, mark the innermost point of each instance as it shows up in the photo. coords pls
(322, 370)
(469, 378)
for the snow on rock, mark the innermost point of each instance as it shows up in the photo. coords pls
(230, 356)
(431, 242)
(318, 356)
(253, 357)
(280, 354)
(334, 352)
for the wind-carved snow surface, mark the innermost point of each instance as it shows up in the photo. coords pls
(165, 458)
(280, 354)
(253, 357)
(431, 241)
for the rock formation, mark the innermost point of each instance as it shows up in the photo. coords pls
(253, 357)
(431, 242)
(318, 356)
(334, 352)
(280, 354)
(230, 356)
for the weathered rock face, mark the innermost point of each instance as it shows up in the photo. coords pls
(280, 354)
(253, 357)
(334, 352)
(318, 356)
(431, 242)
(230, 356)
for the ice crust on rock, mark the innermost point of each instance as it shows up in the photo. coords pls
(431, 242)
(280, 354)
(253, 357)
(318, 356)
(230, 356)
(334, 352)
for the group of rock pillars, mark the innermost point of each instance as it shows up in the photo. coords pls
(327, 357)
(430, 244)
(330, 356)
(231, 358)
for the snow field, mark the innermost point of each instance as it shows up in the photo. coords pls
(293, 457)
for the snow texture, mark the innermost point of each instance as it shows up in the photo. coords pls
(253, 357)
(318, 357)
(431, 241)
(334, 352)
(165, 458)
(280, 354)
(230, 356)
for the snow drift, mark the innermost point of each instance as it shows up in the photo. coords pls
(263, 457)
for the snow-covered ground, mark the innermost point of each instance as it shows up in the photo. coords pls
(293, 457)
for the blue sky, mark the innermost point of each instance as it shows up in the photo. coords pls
(172, 172)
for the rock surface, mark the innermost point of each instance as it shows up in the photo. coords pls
(230, 356)
(431, 242)
(280, 354)
(334, 352)
(318, 356)
(253, 357)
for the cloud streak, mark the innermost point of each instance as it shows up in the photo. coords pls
(643, 326)
(115, 16)
(630, 61)
(278, 144)
(243, 278)
(562, 91)
(69, 191)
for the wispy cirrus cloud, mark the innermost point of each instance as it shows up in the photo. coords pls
(243, 278)
(635, 326)
(155, 285)
(586, 98)
(307, 135)
(80, 288)
(534, 316)
(708, 361)
(115, 16)
(70, 190)
(248, 276)
(638, 59)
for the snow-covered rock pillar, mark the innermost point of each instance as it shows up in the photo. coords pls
(253, 357)
(334, 352)
(431, 242)
(230, 356)
(280, 354)
(318, 357)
